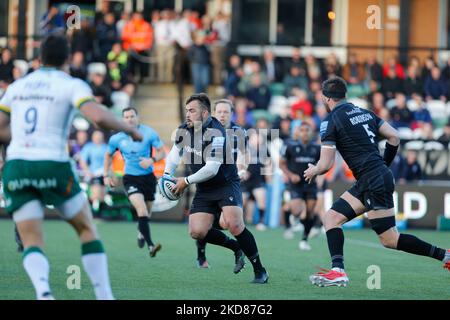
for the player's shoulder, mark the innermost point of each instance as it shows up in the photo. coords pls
(117, 136)
(290, 142)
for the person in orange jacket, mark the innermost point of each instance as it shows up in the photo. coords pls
(137, 37)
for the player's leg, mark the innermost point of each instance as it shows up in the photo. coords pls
(28, 219)
(157, 247)
(346, 208)
(308, 222)
(260, 197)
(78, 213)
(383, 223)
(17, 239)
(233, 218)
(288, 232)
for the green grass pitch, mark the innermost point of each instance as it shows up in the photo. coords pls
(174, 275)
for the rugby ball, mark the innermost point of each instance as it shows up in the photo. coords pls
(166, 186)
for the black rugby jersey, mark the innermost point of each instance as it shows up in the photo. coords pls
(298, 156)
(354, 131)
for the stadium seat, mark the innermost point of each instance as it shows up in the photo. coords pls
(412, 105)
(414, 145)
(405, 133)
(277, 89)
(362, 103)
(438, 113)
(390, 103)
(277, 104)
(433, 145)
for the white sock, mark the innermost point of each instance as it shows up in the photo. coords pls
(38, 269)
(338, 269)
(96, 266)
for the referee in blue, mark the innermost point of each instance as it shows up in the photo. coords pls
(139, 180)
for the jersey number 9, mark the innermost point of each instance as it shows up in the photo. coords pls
(31, 120)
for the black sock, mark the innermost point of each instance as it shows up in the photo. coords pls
(287, 223)
(335, 238)
(201, 246)
(144, 229)
(317, 223)
(308, 224)
(261, 215)
(248, 245)
(217, 237)
(412, 244)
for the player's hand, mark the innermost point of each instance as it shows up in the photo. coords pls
(310, 173)
(135, 134)
(243, 175)
(145, 162)
(180, 186)
(108, 182)
(295, 178)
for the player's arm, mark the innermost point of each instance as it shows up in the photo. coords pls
(107, 180)
(103, 118)
(326, 161)
(173, 160)
(294, 178)
(160, 153)
(392, 143)
(207, 172)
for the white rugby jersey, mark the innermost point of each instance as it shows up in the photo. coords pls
(42, 106)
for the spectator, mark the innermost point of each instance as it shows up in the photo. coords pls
(199, 56)
(374, 71)
(301, 108)
(76, 145)
(353, 72)
(77, 67)
(6, 68)
(242, 116)
(272, 67)
(429, 65)
(83, 41)
(422, 118)
(377, 103)
(254, 68)
(106, 35)
(398, 168)
(121, 23)
(182, 36)
(374, 87)
(52, 21)
(221, 23)
(259, 94)
(296, 60)
(118, 55)
(165, 50)
(445, 137)
(332, 66)
(413, 170)
(435, 88)
(392, 84)
(295, 79)
(414, 62)
(446, 71)
(401, 116)
(137, 37)
(34, 64)
(234, 76)
(100, 89)
(393, 65)
(412, 84)
(313, 68)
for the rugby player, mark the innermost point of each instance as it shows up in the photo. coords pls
(202, 142)
(355, 132)
(296, 154)
(38, 170)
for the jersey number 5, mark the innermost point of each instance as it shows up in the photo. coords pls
(31, 120)
(369, 133)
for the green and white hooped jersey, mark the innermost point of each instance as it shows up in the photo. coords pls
(42, 106)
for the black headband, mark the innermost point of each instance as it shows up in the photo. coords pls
(335, 94)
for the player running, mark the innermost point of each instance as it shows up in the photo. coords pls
(296, 154)
(38, 170)
(202, 142)
(223, 110)
(354, 132)
(139, 180)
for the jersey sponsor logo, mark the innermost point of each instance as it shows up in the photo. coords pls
(19, 184)
(305, 159)
(132, 189)
(323, 127)
(361, 118)
(353, 111)
(189, 149)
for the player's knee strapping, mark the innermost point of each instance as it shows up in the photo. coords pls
(344, 208)
(381, 225)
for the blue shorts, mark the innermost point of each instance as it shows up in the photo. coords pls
(212, 201)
